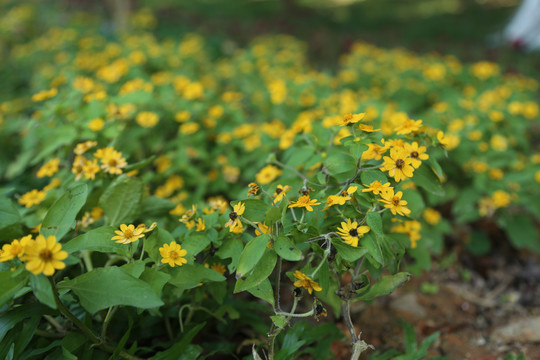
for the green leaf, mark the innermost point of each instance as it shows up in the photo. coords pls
(263, 291)
(195, 243)
(415, 203)
(139, 165)
(42, 290)
(348, 252)
(104, 287)
(156, 279)
(255, 209)
(436, 167)
(262, 271)
(61, 215)
(121, 200)
(426, 178)
(374, 222)
(17, 314)
(373, 245)
(9, 214)
(273, 215)
(155, 206)
(134, 268)
(10, 283)
(523, 233)
(97, 240)
(370, 176)
(287, 249)
(357, 149)
(279, 320)
(479, 243)
(189, 276)
(339, 163)
(251, 254)
(385, 286)
(179, 349)
(231, 248)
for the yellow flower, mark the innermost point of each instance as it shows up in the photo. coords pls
(394, 202)
(44, 255)
(376, 187)
(416, 153)
(44, 95)
(83, 147)
(90, 169)
(53, 184)
(182, 116)
(147, 119)
(280, 192)
(408, 126)
(189, 128)
(32, 198)
(267, 174)
(201, 226)
(128, 234)
(501, 198)
(96, 124)
(412, 229)
(306, 282)
(351, 232)
(219, 268)
(49, 168)
(253, 189)
(264, 229)
(15, 249)
(351, 119)
(173, 254)
(336, 200)
(112, 161)
(305, 202)
(442, 139)
(234, 224)
(432, 216)
(367, 128)
(374, 151)
(398, 164)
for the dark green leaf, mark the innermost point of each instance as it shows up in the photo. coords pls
(189, 276)
(426, 178)
(10, 283)
(104, 287)
(42, 290)
(374, 222)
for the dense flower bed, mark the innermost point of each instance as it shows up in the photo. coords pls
(163, 177)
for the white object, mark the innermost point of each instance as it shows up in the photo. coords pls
(524, 28)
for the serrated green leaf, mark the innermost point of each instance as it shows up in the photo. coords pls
(374, 221)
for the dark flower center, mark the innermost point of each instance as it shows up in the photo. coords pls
(400, 163)
(233, 216)
(46, 255)
(278, 191)
(414, 154)
(353, 232)
(396, 201)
